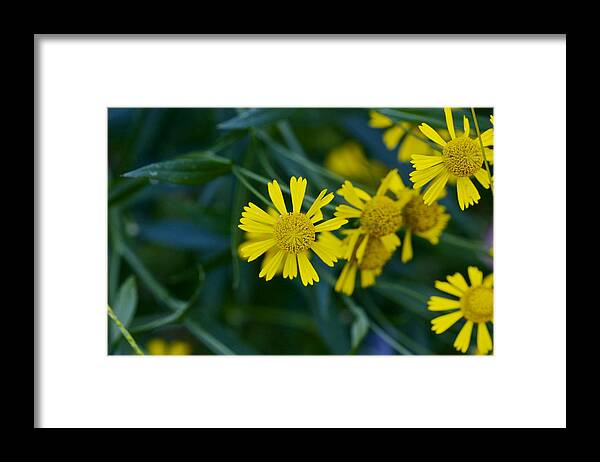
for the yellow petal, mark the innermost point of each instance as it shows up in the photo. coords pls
(345, 211)
(488, 281)
(257, 214)
(390, 242)
(361, 248)
(348, 192)
(331, 225)
(466, 125)
(484, 340)
(475, 275)
(391, 137)
(463, 339)
(436, 303)
(467, 192)
(436, 188)
(297, 189)
(347, 279)
(450, 122)
(271, 267)
(407, 251)
(367, 278)
(255, 227)
(487, 137)
(432, 134)
(421, 177)
(448, 288)
(253, 250)
(483, 178)
(425, 161)
(325, 253)
(307, 271)
(277, 197)
(458, 281)
(157, 346)
(290, 269)
(378, 120)
(442, 323)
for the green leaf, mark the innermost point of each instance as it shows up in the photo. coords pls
(258, 117)
(327, 318)
(192, 169)
(124, 306)
(120, 191)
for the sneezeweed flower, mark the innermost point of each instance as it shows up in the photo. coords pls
(475, 304)
(159, 347)
(349, 161)
(371, 245)
(422, 220)
(461, 158)
(291, 234)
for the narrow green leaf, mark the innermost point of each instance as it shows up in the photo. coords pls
(123, 190)
(257, 117)
(124, 306)
(192, 169)
(360, 325)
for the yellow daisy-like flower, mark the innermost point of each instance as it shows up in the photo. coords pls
(290, 234)
(475, 303)
(371, 245)
(461, 157)
(395, 132)
(422, 220)
(159, 347)
(349, 161)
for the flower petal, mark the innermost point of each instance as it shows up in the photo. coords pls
(448, 288)
(450, 122)
(325, 253)
(297, 189)
(378, 120)
(436, 188)
(436, 303)
(331, 225)
(442, 323)
(252, 250)
(307, 271)
(467, 192)
(475, 275)
(484, 340)
(290, 268)
(458, 281)
(347, 279)
(277, 197)
(463, 339)
(432, 134)
(407, 250)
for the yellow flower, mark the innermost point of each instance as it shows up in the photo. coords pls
(422, 220)
(371, 245)
(349, 160)
(461, 157)
(475, 303)
(158, 347)
(411, 143)
(290, 234)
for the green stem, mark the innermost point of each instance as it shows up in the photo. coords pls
(239, 173)
(124, 331)
(487, 166)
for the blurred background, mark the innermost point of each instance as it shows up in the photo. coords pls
(176, 280)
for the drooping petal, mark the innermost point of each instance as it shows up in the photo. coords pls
(290, 269)
(277, 197)
(450, 122)
(361, 248)
(307, 271)
(463, 339)
(436, 188)
(347, 279)
(324, 252)
(432, 134)
(467, 192)
(367, 278)
(407, 250)
(272, 265)
(391, 242)
(484, 340)
(297, 190)
(442, 323)
(253, 250)
(483, 178)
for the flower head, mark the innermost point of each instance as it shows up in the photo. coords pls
(369, 247)
(288, 237)
(349, 160)
(159, 347)
(475, 304)
(461, 158)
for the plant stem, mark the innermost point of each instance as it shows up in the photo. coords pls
(124, 331)
(487, 166)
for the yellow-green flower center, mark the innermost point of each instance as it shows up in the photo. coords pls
(294, 233)
(462, 156)
(420, 217)
(477, 304)
(375, 256)
(381, 216)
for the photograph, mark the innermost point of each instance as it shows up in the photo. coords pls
(300, 231)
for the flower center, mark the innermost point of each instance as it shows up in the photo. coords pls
(462, 156)
(419, 216)
(477, 304)
(294, 233)
(381, 216)
(375, 256)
